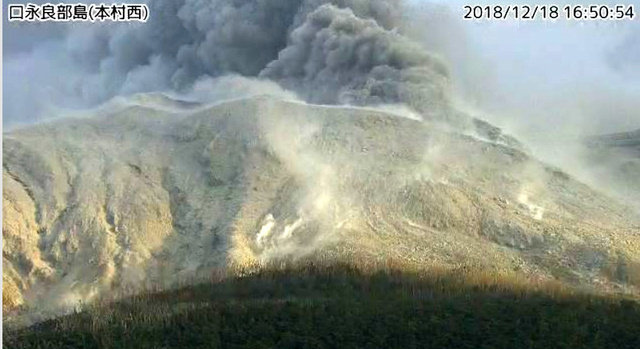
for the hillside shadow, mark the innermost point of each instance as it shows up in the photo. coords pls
(340, 306)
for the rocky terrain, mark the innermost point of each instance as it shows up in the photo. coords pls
(161, 191)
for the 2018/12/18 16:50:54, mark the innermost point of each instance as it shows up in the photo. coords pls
(549, 12)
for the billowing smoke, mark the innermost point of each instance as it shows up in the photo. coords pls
(337, 57)
(357, 52)
(327, 51)
(371, 53)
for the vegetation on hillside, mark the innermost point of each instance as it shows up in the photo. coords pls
(341, 306)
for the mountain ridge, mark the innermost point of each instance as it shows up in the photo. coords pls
(142, 195)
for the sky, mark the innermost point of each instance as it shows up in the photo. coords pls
(586, 74)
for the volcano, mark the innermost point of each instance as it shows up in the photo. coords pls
(158, 191)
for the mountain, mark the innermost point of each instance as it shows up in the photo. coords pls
(630, 140)
(615, 159)
(140, 194)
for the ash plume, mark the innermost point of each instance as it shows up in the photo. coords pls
(356, 54)
(156, 189)
(336, 57)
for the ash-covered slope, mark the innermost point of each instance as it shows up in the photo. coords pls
(145, 195)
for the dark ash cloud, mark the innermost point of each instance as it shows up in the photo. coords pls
(328, 51)
(337, 57)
